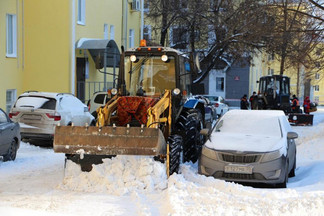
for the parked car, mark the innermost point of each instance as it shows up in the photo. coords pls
(219, 103)
(210, 110)
(98, 99)
(209, 113)
(255, 146)
(9, 137)
(39, 112)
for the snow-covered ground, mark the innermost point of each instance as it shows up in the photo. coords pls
(35, 184)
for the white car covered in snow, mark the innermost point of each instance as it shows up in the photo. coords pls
(39, 112)
(255, 146)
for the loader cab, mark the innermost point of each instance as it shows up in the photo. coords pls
(151, 70)
(275, 90)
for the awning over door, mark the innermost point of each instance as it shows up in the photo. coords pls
(97, 47)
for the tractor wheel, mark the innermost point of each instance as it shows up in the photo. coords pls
(175, 143)
(188, 126)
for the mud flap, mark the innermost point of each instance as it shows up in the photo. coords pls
(109, 140)
(300, 119)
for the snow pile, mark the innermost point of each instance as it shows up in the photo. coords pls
(192, 194)
(119, 175)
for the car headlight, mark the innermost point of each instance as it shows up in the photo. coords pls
(270, 156)
(209, 153)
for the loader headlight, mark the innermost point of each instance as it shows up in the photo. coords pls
(176, 91)
(294, 118)
(133, 58)
(113, 91)
(164, 58)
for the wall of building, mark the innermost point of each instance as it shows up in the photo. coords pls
(46, 45)
(10, 67)
(237, 83)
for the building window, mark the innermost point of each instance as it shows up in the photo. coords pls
(131, 38)
(271, 57)
(147, 32)
(11, 50)
(179, 37)
(317, 64)
(316, 88)
(270, 71)
(146, 6)
(317, 76)
(316, 98)
(10, 99)
(220, 84)
(81, 12)
(112, 32)
(105, 31)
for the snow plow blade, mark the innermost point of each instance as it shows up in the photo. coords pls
(109, 140)
(300, 119)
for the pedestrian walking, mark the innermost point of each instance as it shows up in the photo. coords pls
(254, 101)
(244, 102)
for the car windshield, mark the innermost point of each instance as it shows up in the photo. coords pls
(212, 98)
(35, 102)
(149, 75)
(250, 125)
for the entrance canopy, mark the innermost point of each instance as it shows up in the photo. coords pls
(97, 47)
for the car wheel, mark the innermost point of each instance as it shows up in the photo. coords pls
(12, 152)
(292, 171)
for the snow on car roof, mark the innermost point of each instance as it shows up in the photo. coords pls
(244, 125)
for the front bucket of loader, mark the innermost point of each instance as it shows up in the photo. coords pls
(109, 140)
(300, 119)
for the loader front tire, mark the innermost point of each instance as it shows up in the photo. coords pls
(175, 143)
(188, 127)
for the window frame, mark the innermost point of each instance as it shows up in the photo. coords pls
(9, 104)
(11, 36)
(131, 36)
(112, 32)
(316, 88)
(81, 12)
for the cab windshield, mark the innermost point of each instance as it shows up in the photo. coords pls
(149, 75)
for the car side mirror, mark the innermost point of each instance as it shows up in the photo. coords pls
(292, 135)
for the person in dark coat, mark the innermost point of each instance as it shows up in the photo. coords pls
(244, 102)
(254, 101)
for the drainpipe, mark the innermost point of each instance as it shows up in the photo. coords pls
(72, 48)
(142, 19)
(124, 29)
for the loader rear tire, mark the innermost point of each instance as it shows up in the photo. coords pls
(188, 126)
(175, 143)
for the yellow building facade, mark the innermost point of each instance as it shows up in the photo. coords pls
(41, 39)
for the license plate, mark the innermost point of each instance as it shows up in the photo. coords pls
(32, 117)
(238, 169)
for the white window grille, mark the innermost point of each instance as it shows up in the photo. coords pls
(316, 88)
(317, 76)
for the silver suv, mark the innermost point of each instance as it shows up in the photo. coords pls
(39, 112)
(98, 99)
